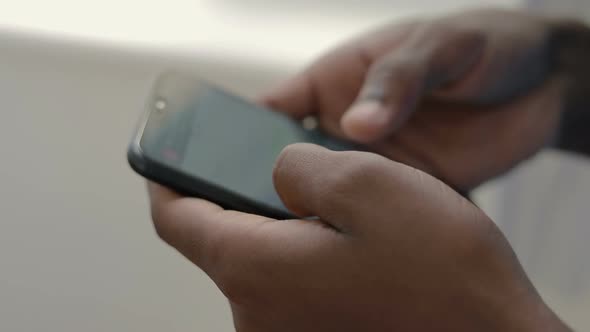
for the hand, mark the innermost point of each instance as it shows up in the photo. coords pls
(394, 250)
(464, 97)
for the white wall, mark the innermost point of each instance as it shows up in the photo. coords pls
(77, 251)
(292, 31)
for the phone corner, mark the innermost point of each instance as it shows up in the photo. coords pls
(136, 158)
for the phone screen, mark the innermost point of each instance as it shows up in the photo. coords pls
(224, 140)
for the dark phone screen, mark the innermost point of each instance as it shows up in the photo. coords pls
(225, 141)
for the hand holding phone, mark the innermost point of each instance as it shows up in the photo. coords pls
(392, 249)
(201, 141)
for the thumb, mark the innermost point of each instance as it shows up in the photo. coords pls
(343, 188)
(396, 83)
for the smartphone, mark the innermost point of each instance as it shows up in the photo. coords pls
(201, 141)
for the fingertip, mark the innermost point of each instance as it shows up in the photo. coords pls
(301, 148)
(367, 121)
(275, 99)
(291, 169)
(293, 97)
(292, 156)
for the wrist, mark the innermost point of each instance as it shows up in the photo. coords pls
(570, 49)
(570, 43)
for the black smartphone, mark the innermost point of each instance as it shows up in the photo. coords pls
(203, 142)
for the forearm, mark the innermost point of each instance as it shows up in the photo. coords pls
(572, 56)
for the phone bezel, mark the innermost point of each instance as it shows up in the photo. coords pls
(185, 184)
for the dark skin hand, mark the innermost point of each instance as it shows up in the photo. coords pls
(464, 97)
(394, 250)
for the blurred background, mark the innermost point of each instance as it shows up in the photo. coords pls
(77, 249)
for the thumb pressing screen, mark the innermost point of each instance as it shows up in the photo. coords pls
(224, 142)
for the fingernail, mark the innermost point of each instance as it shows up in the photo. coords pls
(366, 121)
(370, 113)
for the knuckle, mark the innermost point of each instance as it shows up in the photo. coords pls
(452, 37)
(398, 63)
(358, 179)
(161, 222)
(400, 68)
(233, 289)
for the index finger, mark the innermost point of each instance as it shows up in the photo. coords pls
(332, 82)
(199, 229)
(243, 254)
